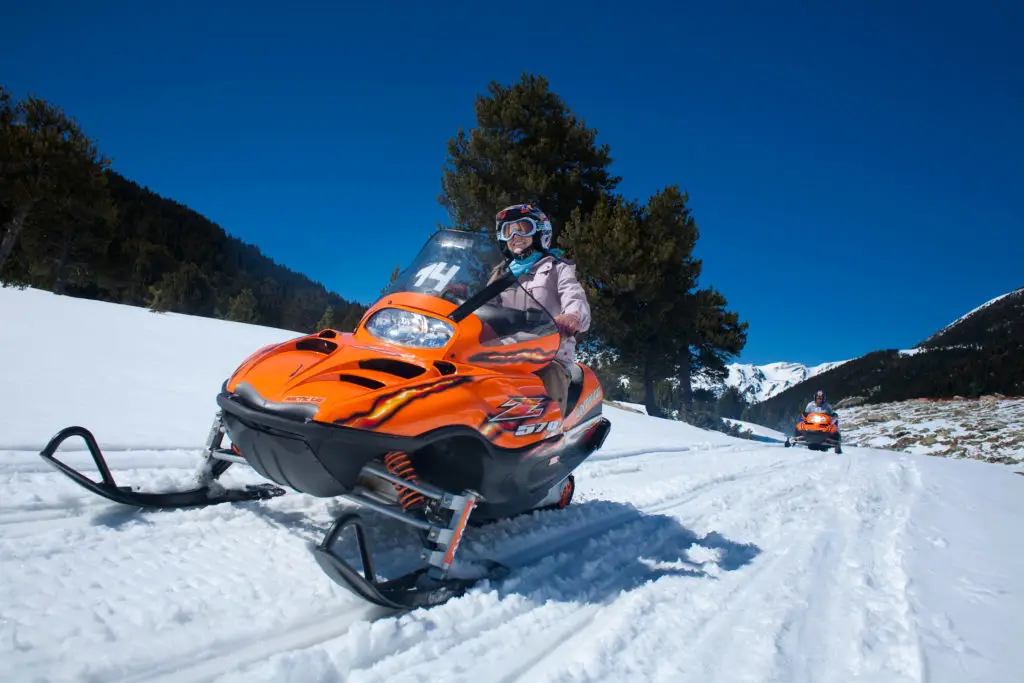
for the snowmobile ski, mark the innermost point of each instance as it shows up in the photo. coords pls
(201, 496)
(407, 592)
(441, 522)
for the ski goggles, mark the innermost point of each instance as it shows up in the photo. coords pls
(524, 226)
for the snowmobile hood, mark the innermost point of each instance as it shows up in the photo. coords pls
(817, 422)
(357, 379)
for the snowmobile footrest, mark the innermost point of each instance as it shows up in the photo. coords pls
(108, 488)
(405, 592)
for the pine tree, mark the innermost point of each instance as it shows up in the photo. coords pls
(326, 321)
(731, 403)
(243, 307)
(351, 319)
(52, 175)
(715, 336)
(636, 265)
(304, 308)
(528, 146)
(185, 290)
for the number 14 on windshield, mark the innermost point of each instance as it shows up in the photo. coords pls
(437, 273)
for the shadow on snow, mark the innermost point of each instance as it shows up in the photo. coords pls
(589, 552)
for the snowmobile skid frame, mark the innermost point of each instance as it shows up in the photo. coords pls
(440, 536)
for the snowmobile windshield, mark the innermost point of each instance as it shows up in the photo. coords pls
(455, 266)
(452, 264)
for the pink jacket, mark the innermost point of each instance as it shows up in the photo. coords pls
(555, 287)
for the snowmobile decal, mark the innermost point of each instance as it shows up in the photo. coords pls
(438, 273)
(304, 399)
(522, 408)
(388, 405)
(516, 410)
(493, 429)
(524, 356)
(586, 404)
(538, 427)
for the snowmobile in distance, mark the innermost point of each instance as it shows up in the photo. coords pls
(429, 412)
(818, 432)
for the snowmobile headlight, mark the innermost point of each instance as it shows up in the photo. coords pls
(817, 418)
(409, 329)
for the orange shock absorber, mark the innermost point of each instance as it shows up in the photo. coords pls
(398, 464)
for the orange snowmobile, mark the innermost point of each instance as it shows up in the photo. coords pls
(429, 413)
(818, 432)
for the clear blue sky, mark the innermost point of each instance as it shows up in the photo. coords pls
(855, 167)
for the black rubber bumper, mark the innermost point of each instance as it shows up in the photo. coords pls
(310, 457)
(325, 460)
(816, 438)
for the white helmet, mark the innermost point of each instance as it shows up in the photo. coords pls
(526, 220)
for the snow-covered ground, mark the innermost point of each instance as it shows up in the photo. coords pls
(688, 555)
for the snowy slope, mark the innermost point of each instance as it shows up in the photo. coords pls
(689, 556)
(134, 377)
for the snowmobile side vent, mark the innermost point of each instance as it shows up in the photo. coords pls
(318, 345)
(444, 367)
(392, 367)
(328, 334)
(361, 381)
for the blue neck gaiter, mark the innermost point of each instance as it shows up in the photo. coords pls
(520, 266)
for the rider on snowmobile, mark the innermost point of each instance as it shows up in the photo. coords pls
(524, 235)
(820, 405)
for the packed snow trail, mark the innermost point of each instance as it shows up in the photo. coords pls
(687, 556)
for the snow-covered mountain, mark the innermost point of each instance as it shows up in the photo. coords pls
(761, 382)
(994, 320)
